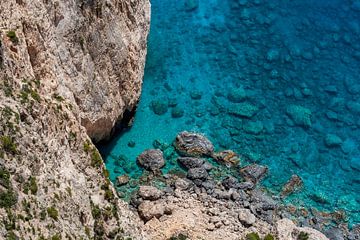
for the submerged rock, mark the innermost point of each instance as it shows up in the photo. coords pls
(254, 172)
(236, 95)
(227, 157)
(301, 116)
(177, 112)
(244, 109)
(151, 159)
(123, 179)
(159, 106)
(191, 5)
(294, 184)
(193, 144)
(332, 140)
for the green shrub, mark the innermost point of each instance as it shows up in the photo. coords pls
(31, 185)
(8, 198)
(56, 237)
(303, 236)
(53, 213)
(269, 237)
(4, 178)
(95, 158)
(8, 144)
(95, 211)
(252, 236)
(35, 95)
(11, 236)
(87, 146)
(12, 36)
(43, 215)
(179, 236)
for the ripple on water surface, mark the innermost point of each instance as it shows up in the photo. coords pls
(276, 81)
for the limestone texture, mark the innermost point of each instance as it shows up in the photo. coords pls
(68, 71)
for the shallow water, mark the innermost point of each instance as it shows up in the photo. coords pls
(268, 79)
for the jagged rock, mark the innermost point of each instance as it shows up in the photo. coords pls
(193, 144)
(246, 217)
(334, 233)
(182, 184)
(230, 182)
(254, 172)
(246, 185)
(197, 173)
(123, 179)
(191, 162)
(286, 229)
(148, 209)
(227, 157)
(332, 140)
(294, 184)
(243, 109)
(149, 193)
(151, 159)
(300, 115)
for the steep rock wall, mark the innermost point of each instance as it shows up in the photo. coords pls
(68, 71)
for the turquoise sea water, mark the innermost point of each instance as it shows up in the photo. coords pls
(276, 81)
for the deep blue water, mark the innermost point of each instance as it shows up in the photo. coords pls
(284, 59)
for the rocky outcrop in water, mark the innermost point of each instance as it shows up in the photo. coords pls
(68, 71)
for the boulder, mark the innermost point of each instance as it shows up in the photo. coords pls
(293, 185)
(236, 95)
(182, 184)
(123, 179)
(193, 144)
(151, 159)
(301, 116)
(230, 182)
(246, 217)
(244, 109)
(254, 172)
(147, 209)
(149, 193)
(286, 229)
(197, 173)
(355, 163)
(191, 162)
(227, 157)
(332, 140)
(159, 107)
(177, 112)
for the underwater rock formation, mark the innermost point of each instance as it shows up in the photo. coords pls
(68, 71)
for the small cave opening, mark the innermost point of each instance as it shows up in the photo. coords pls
(122, 125)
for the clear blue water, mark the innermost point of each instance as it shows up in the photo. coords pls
(212, 57)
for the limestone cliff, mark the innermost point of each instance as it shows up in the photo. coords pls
(68, 71)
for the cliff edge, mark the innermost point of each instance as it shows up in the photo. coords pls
(68, 71)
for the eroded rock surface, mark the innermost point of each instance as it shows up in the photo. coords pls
(68, 71)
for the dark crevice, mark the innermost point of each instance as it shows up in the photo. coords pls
(122, 125)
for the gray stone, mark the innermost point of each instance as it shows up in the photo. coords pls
(254, 172)
(191, 162)
(123, 179)
(193, 144)
(151, 159)
(246, 217)
(197, 173)
(230, 182)
(147, 210)
(149, 193)
(182, 184)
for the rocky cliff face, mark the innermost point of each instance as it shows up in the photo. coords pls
(68, 71)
